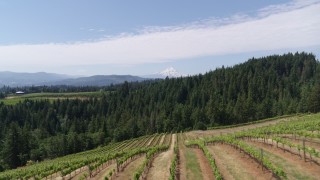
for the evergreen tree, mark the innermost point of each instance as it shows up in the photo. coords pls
(11, 147)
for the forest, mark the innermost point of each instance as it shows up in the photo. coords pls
(34, 130)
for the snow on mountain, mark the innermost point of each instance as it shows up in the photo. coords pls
(169, 72)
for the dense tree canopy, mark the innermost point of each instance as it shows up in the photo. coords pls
(259, 88)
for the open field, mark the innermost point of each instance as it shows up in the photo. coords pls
(284, 148)
(14, 99)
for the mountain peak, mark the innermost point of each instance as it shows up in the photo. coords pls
(170, 72)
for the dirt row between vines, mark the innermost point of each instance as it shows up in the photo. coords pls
(182, 164)
(105, 172)
(293, 165)
(293, 150)
(193, 163)
(235, 165)
(308, 143)
(162, 139)
(160, 168)
(206, 170)
(130, 169)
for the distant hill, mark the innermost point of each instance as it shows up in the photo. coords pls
(14, 79)
(27, 79)
(98, 80)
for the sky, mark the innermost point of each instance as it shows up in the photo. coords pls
(142, 37)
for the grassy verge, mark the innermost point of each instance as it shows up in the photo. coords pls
(192, 165)
(14, 99)
(253, 122)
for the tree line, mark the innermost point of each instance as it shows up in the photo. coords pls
(259, 88)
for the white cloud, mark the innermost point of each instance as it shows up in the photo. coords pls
(292, 25)
(295, 4)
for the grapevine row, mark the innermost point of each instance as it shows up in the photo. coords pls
(249, 150)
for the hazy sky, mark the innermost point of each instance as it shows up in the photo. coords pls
(142, 37)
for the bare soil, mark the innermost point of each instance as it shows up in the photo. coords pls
(105, 172)
(83, 170)
(160, 168)
(78, 172)
(293, 165)
(162, 139)
(150, 141)
(205, 167)
(130, 169)
(293, 151)
(235, 165)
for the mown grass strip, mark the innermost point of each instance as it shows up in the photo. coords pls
(14, 99)
(200, 144)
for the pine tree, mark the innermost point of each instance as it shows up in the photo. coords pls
(314, 100)
(11, 150)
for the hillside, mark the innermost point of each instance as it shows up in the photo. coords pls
(98, 80)
(278, 148)
(260, 88)
(29, 79)
(13, 79)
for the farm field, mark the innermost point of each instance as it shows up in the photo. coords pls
(284, 148)
(14, 99)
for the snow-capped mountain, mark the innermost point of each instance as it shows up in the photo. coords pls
(169, 72)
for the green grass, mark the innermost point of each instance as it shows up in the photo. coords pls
(192, 165)
(14, 99)
(254, 122)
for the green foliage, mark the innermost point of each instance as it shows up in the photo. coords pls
(2, 95)
(58, 124)
(14, 99)
(200, 126)
(173, 166)
(250, 150)
(150, 153)
(92, 159)
(201, 145)
(314, 100)
(300, 126)
(11, 146)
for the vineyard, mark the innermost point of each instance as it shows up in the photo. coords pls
(107, 162)
(288, 148)
(283, 148)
